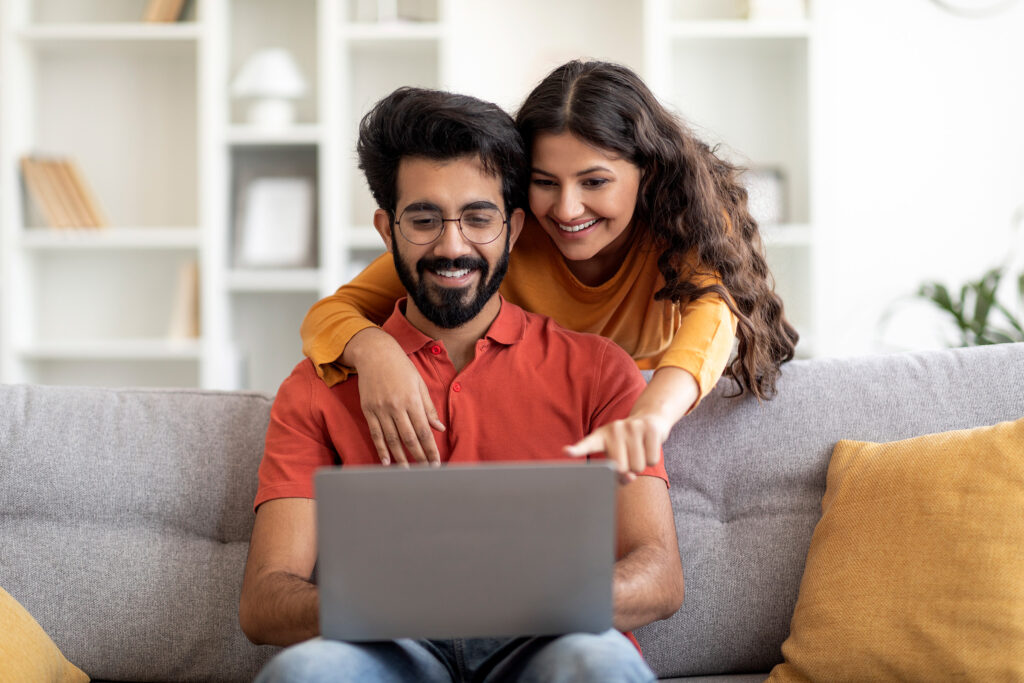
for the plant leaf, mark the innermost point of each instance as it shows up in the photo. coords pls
(972, 310)
(937, 293)
(1003, 337)
(1010, 318)
(967, 297)
(985, 297)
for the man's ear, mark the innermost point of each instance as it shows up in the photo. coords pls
(515, 226)
(382, 223)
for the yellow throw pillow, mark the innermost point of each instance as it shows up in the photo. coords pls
(916, 568)
(26, 653)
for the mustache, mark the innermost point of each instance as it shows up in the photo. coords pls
(467, 262)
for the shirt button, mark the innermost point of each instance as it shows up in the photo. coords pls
(435, 349)
(456, 387)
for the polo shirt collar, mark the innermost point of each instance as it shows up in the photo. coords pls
(509, 326)
(507, 329)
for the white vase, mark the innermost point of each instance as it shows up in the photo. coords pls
(271, 112)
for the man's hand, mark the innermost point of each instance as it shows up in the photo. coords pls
(394, 399)
(633, 443)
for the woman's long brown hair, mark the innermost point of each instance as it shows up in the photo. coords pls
(690, 201)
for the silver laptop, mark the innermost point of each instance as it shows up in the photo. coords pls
(465, 550)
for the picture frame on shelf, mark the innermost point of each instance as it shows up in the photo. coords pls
(274, 223)
(766, 194)
(275, 214)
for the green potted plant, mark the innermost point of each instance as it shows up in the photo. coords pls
(978, 314)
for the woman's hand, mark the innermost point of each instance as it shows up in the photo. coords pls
(634, 443)
(394, 399)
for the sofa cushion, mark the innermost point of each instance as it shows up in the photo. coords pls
(748, 479)
(916, 569)
(26, 652)
(124, 524)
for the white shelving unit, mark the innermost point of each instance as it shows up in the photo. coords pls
(748, 85)
(374, 58)
(122, 349)
(122, 98)
(110, 238)
(146, 111)
(299, 134)
(350, 61)
(264, 305)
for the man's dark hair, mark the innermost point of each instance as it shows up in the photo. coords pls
(437, 125)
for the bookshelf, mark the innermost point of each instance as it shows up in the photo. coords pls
(146, 111)
(350, 60)
(749, 85)
(92, 83)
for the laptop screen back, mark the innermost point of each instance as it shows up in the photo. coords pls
(465, 551)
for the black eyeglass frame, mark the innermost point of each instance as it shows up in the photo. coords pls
(458, 221)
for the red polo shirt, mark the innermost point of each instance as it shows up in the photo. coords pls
(532, 388)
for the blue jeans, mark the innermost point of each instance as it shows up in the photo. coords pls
(607, 656)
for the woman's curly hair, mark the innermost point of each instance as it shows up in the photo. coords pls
(690, 202)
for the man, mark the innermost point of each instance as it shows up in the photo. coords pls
(446, 171)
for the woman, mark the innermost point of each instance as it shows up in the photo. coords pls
(639, 232)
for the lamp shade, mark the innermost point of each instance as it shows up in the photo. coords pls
(270, 73)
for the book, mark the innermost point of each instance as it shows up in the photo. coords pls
(163, 11)
(58, 196)
(184, 323)
(92, 211)
(74, 213)
(153, 9)
(39, 205)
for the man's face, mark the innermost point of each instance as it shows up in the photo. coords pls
(451, 279)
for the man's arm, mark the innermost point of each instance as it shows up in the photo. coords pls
(648, 579)
(279, 604)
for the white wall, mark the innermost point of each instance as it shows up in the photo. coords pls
(522, 41)
(921, 159)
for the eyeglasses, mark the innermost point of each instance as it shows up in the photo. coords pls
(479, 225)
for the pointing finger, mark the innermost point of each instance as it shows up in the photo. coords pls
(592, 443)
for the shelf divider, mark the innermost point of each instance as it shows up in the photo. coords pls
(100, 32)
(113, 349)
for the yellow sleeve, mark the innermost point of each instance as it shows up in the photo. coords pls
(703, 342)
(331, 323)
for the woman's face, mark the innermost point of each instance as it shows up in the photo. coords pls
(583, 197)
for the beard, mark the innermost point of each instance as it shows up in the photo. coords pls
(450, 307)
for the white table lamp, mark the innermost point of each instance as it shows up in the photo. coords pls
(272, 79)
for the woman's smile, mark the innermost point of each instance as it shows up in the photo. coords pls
(576, 227)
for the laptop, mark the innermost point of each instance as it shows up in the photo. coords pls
(462, 551)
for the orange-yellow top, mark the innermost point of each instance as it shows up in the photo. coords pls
(696, 336)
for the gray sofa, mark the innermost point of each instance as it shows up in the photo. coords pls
(125, 514)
